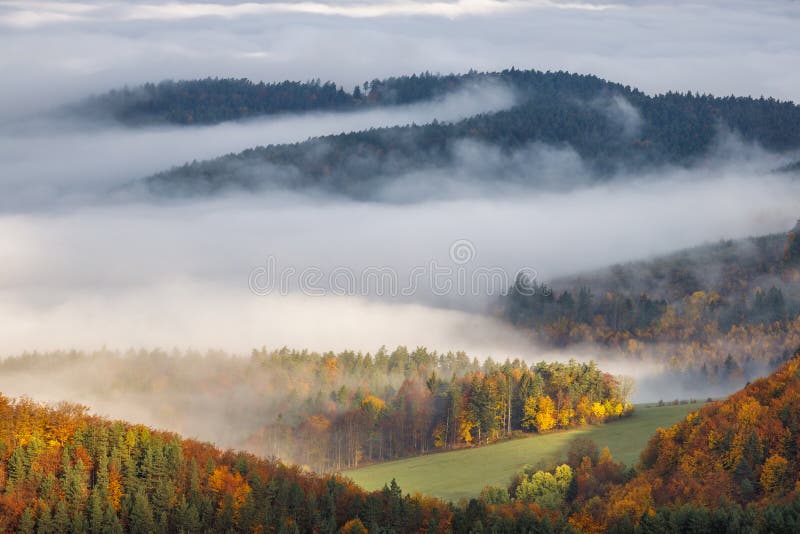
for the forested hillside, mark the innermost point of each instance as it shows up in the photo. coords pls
(732, 464)
(335, 411)
(614, 129)
(215, 100)
(62, 470)
(745, 282)
(719, 312)
(731, 467)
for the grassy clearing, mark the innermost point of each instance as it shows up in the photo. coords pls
(463, 473)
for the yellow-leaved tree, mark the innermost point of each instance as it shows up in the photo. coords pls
(775, 477)
(546, 414)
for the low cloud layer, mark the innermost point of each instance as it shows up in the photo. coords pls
(177, 274)
(46, 162)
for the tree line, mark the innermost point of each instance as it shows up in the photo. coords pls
(215, 100)
(333, 411)
(428, 412)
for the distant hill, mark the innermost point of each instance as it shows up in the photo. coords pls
(215, 100)
(731, 283)
(790, 168)
(712, 317)
(790, 265)
(613, 128)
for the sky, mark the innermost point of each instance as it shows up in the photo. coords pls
(81, 273)
(54, 51)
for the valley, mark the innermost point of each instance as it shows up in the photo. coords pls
(462, 474)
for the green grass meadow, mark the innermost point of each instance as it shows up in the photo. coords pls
(462, 473)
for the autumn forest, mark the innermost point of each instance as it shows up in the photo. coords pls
(397, 267)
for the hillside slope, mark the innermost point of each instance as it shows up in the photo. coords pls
(748, 281)
(215, 100)
(62, 470)
(718, 314)
(329, 411)
(731, 467)
(738, 458)
(611, 129)
(743, 449)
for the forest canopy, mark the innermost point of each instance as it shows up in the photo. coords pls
(732, 463)
(214, 100)
(718, 313)
(612, 128)
(334, 411)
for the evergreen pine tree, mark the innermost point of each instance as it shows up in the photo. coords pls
(17, 468)
(111, 524)
(44, 520)
(140, 519)
(96, 512)
(61, 522)
(26, 522)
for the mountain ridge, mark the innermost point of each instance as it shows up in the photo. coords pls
(613, 129)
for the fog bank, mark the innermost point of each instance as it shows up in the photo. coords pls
(49, 163)
(179, 274)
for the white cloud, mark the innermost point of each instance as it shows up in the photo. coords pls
(177, 274)
(82, 158)
(32, 13)
(741, 47)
